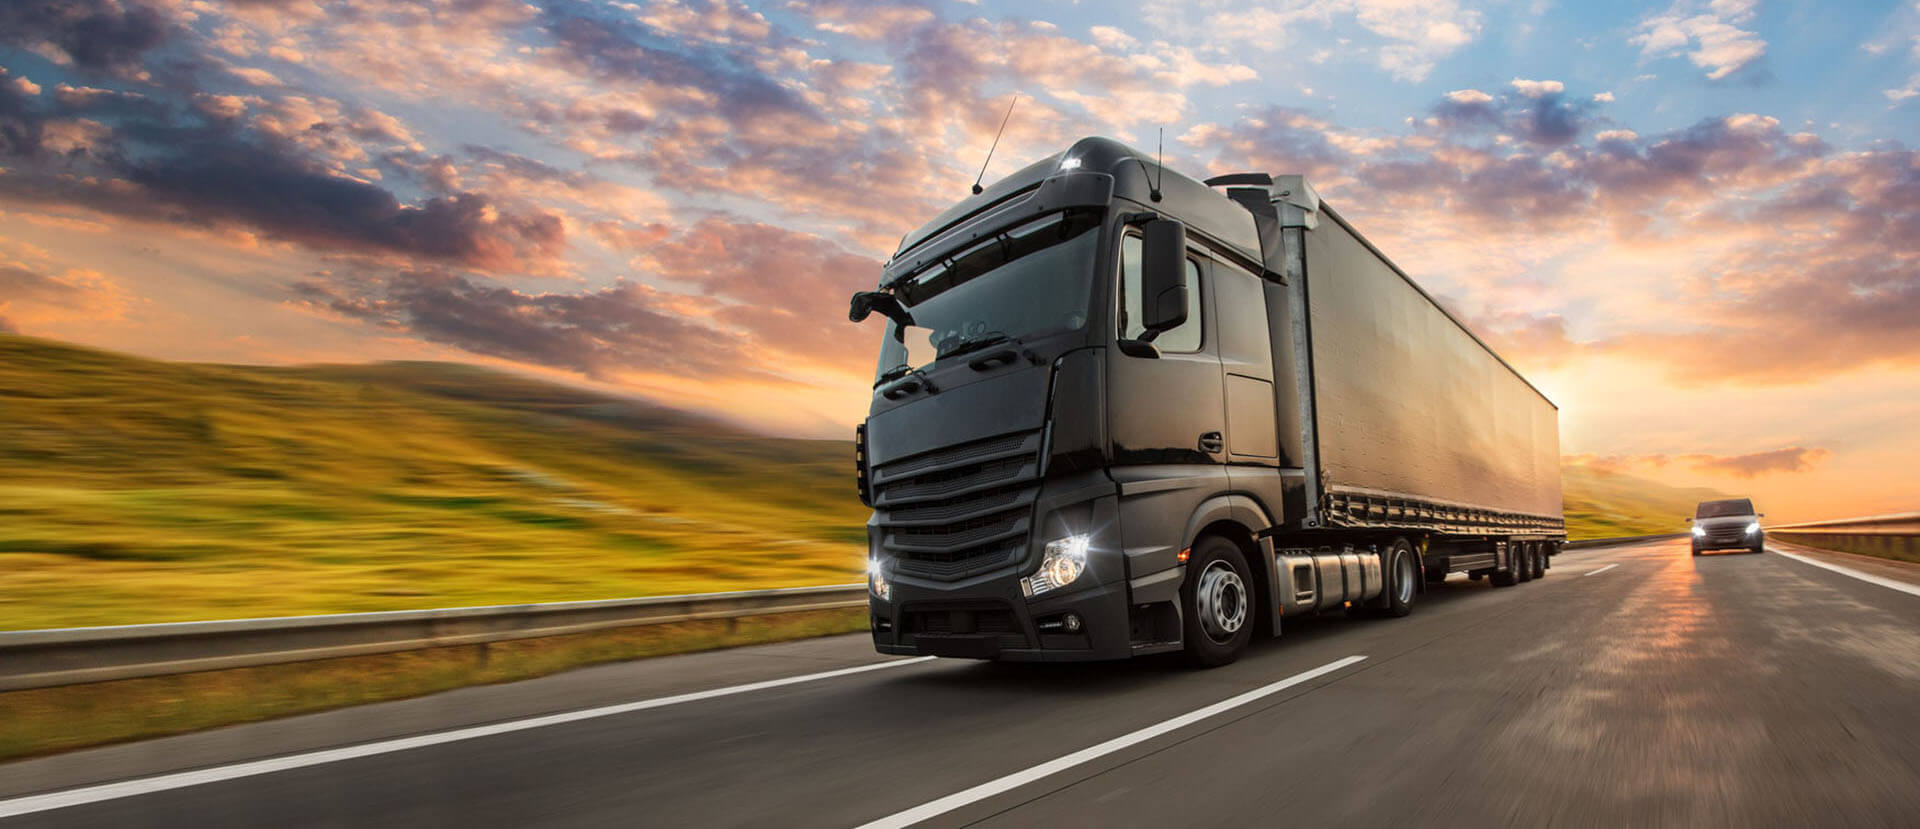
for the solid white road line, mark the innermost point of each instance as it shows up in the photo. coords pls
(1021, 778)
(1848, 571)
(1601, 570)
(147, 785)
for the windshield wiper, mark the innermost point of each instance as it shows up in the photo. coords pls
(972, 344)
(903, 370)
(894, 373)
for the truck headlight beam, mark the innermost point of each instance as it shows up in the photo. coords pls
(1061, 563)
(877, 581)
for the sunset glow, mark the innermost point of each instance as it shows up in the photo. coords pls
(1661, 212)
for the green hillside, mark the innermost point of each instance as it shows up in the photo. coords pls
(134, 490)
(1605, 504)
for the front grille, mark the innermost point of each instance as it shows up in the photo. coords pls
(959, 511)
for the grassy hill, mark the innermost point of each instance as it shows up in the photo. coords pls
(136, 490)
(1604, 504)
(143, 491)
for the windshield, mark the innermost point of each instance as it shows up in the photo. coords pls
(1029, 280)
(1722, 509)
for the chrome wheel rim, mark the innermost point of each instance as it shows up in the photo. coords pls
(1222, 600)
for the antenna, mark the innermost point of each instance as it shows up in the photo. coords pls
(1153, 183)
(1160, 161)
(996, 143)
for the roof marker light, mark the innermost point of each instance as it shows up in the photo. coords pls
(1070, 164)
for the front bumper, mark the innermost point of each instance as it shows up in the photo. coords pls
(1745, 542)
(990, 619)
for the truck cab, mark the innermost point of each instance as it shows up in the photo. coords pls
(1086, 436)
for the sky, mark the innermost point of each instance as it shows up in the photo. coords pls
(1694, 225)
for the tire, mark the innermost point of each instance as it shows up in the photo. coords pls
(1526, 562)
(1696, 550)
(1507, 576)
(1402, 572)
(1539, 559)
(1758, 548)
(1217, 601)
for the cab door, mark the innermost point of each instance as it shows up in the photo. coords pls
(1166, 421)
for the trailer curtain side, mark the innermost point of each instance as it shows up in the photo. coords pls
(1410, 405)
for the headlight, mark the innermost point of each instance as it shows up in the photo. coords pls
(1699, 531)
(1063, 561)
(877, 581)
(1753, 528)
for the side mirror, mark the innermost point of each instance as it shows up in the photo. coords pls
(1163, 276)
(867, 302)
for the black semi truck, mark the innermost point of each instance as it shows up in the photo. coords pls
(1119, 412)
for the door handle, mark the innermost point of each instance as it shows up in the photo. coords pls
(1212, 442)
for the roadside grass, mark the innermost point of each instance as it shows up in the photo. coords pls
(144, 491)
(48, 720)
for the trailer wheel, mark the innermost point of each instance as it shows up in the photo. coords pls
(1524, 561)
(1509, 575)
(1539, 559)
(1218, 603)
(1402, 578)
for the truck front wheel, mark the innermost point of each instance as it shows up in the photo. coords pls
(1218, 598)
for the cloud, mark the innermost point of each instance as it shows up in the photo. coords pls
(198, 160)
(1537, 112)
(763, 296)
(1785, 460)
(601, 333)
(26, 295)
(786, 290)
(94, 35)
(1785, 261)
(1788, 459)
(1711, 37)
(1536, 89)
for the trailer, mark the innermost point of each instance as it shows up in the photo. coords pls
(1119, 411)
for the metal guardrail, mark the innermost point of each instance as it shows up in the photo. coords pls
(1897, 523)
(70, 656)
(1895, 536)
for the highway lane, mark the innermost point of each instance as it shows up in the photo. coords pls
(1661, 689)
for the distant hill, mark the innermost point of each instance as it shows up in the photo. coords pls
(1601, 504)
(139, 490)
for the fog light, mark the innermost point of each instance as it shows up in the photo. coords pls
(1073, 623)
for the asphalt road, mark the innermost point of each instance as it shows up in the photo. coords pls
(1663, 690)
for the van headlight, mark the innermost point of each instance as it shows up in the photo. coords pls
(877, 581)
(1753, 528)
(1699, 531)
(1062, 562)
